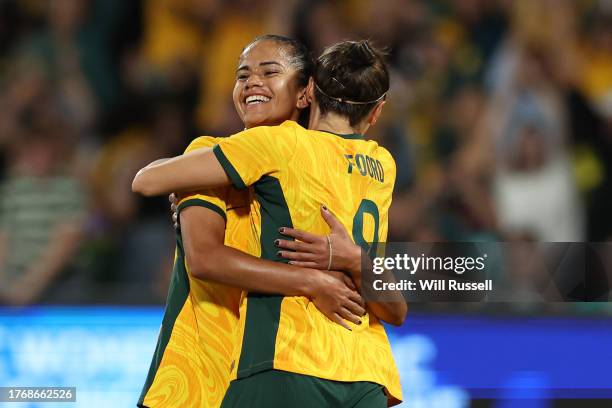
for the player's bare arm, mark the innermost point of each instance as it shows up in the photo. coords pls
(196, 170)
(332, 304)
(209, 259)
(313, 251)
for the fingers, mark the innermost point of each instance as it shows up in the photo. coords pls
(331, 220)
(296, 256)
(173, 208)
(348, 282)
(172, 198)
(356, 297)
(299, 234)
(355, 309)
(347, 315)
(336, 318)
(292, 245)
(311, 265)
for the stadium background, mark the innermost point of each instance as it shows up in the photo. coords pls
(499, 118)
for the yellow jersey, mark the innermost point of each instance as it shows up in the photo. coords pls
(191, 364)
(293, 171)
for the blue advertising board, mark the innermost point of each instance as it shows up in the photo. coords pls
(444, 360)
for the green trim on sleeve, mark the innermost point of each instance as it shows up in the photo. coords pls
(230, 170)
(198, 202)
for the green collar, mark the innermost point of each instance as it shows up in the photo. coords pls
(347, 136)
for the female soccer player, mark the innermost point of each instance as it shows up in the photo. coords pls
(289, 354)
(191, 365)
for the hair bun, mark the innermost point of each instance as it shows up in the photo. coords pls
(351, 74)
(362, 53)
(364, 46)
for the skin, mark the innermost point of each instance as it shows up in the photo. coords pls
(312, 251)
(264, 69)
(200, 169)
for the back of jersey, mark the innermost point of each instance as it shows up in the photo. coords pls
(353, 177)
(294, 171)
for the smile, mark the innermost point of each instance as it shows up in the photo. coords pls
(256, 99)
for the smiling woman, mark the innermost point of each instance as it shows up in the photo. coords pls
(264, 93)
(193, 357)
(288, 353)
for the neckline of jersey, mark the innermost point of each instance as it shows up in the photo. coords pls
(345, 136)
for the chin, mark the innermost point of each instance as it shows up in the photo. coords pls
(252, 122)
(258, 120)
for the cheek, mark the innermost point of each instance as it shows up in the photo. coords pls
(236, 99)
(285, 95)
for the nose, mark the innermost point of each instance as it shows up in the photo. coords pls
(253, 80)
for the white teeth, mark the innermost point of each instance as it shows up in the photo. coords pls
(256, 99)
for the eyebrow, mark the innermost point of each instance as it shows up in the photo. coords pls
(261, 64)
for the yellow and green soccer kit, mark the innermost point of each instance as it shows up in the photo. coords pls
(293, 171)
(191, 364)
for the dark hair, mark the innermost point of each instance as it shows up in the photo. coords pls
(350, 78)
(299, 55)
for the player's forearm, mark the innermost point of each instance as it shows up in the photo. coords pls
(232, 267)
(391, 312)
(195, 170)
(347, 258)
(394, 310)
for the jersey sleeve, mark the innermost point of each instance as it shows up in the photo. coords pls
(249, 155)
(213, 199)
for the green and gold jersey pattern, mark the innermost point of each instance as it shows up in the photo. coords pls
(293, 171)
(192, 360)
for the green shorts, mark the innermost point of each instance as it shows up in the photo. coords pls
(274, 388)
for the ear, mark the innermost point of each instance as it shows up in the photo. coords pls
(302, 101)
(375, 114)
(310, 90)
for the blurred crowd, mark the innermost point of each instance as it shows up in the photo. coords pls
(499, 118)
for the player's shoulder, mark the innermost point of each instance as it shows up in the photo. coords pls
(287, 127)
(385, 155)
(385, 158)
(380, 152)
(280, 137)
(202, 142)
